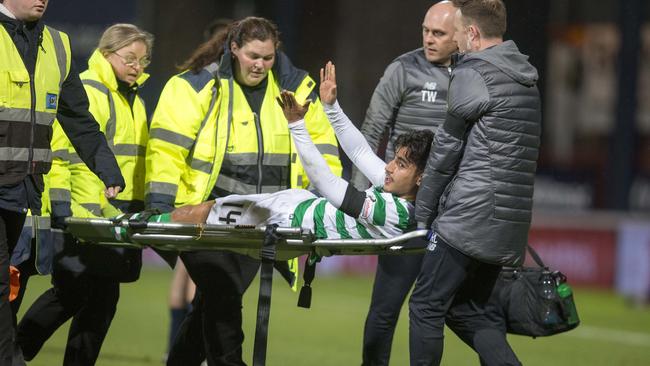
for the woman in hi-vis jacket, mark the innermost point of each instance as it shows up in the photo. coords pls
(218, 130)
(86, 279)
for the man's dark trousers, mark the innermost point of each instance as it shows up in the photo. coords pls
(221, 279)
(454, 288)
(91, 302)
(393, 280)
(11, 224)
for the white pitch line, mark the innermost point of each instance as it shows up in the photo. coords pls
(611, 335)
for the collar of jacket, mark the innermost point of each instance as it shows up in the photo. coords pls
(6, 12)
(419, 52)
(286, 75)
(456, 58)
(100, 65)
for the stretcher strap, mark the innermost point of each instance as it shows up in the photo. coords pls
(304, 300)
(264, 300)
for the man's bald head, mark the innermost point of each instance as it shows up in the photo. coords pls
(438, 33)
(442, 7)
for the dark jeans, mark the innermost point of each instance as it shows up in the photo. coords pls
(393, 281)
(213, 328)
(89, 300)
(11, 224)
(454, 288)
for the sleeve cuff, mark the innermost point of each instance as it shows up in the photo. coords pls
(297, 125)
(331, 108)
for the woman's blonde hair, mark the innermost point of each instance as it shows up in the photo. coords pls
(121, 35)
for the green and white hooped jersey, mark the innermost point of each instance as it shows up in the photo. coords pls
(384, 215)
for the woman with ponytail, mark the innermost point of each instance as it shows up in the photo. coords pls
(217, 130)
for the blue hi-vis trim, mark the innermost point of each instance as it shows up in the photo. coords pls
(50, 101)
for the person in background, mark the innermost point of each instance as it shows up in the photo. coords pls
(217, 130)
(86, 279)
(40, 83)
(477, 190)
(412, 94)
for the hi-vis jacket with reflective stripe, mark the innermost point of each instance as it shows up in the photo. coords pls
(37, 228)
(200, 116)
(72, 185)
(28, 104)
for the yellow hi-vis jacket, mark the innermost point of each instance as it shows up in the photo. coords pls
(28, 104)
(76, 191)
(201, 115)
(72, 184)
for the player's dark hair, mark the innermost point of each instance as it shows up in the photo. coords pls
(417, 144)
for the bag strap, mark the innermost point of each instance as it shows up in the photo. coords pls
(535, 256)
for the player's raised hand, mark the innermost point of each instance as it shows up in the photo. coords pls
(292, 110)
(328, 83)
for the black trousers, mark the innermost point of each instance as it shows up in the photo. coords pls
(90, 301)
(454, 288)
(393, 281)
(11, 224)
(212, 330)
(27, 269)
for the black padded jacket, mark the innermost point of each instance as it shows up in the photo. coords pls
(477, 189)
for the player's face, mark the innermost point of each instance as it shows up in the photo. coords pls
(26, 10)
(253, 61)
(402, 176)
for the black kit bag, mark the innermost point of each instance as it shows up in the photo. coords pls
(532, 301)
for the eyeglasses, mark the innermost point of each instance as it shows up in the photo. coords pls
(132, 61)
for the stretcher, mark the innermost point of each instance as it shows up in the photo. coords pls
(269, 243)
(248, 240)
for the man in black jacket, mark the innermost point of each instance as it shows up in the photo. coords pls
(477, 191)
(412, 94)
(29, 51)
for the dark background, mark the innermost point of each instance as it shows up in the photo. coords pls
(608, 170)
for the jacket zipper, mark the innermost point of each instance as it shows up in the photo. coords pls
(260, 152)
(31, 165)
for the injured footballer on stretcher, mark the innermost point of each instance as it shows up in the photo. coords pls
(385, 210)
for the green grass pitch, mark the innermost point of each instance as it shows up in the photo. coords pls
(612, 333)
